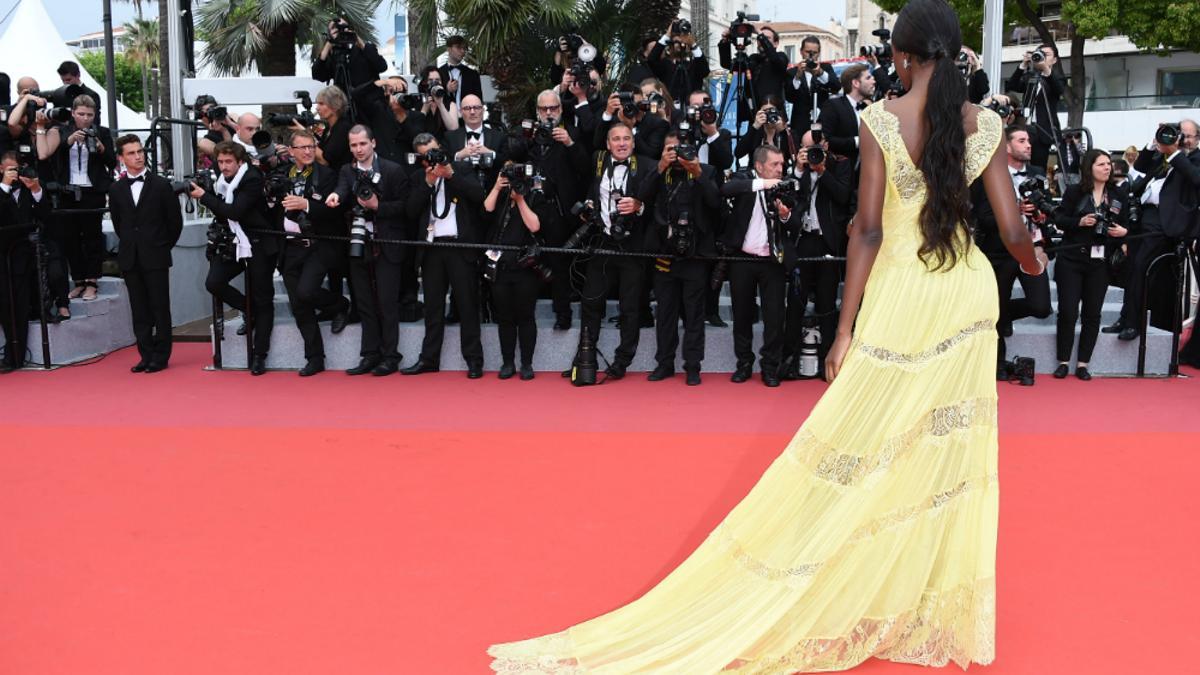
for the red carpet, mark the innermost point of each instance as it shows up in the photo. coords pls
(194, 522)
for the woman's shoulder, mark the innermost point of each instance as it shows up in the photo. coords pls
(977, 119)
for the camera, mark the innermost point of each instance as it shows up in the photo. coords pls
(530, 259)
(1168, 134)
(881, 51)
(540, 132)
(305, 118)
(360, 234)
(27, 161)
(963, 63)
(89, 140)
(686, 152)
(705, 114)
(411, 102)
(60, 115)
(585, 211)
(431, 157)
(786, 191)
(582, 72)
(1001, 109)
(681, 27)
(629, 106)
(573, 44)
(773, 116)
(217, 113)
(364, 184)
(811, 64)
(432, 89)
(1033, 190)
(619, 226)
(204, 179)
(1106, 218)
(220, 242)
(1036, 56)
(264, 149)
(682, 236)
(521, 178)
(1021, 370)
(279, 185)
(741, 31)
(343, 34)
(816, 155)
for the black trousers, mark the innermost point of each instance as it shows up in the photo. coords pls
(1079, 280)
(1142, 252)
(15, 263)
(378, 304)
(820, 281)
(515, 295)
(680, 292)
(1036, 302)
(80, 235)
(629, 275)
(766, 282)
(560, 284)
(260, 274)
(450, 269)
(304, 267)
(150, 305)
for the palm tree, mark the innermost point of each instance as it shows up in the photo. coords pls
(141, 47)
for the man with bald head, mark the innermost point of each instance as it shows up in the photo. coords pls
(473, 141)
(247, 125)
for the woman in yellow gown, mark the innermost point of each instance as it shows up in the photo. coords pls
(874, 533)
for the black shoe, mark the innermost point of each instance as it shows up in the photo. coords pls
(1082, 373)
(646, 321)
(616, 371)
(154, 367)
(6, 368)
(420, 367)
(1115, 328)
(243, 328)
(741, 374)
(1006, 329)
(715, 321)
(662, 372)
(1002, 372)
(340, 319)
(258, 365)
(365, 365)
(312, 367)
(507, 370)
(563, 322)
(1061, 371)
(526, 373)
(386, 367)
(693, 377)
(1128, 334)
(475, 371)
(140, 366)
(770, 379)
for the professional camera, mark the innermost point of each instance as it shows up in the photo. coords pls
(786, 191)
(705, 114)
(360, 234)
(1036, 56)
(220, 242)
(681, 27)
(521, 178)
(530, 259)
(431, 157)
(432, 89)
(203, 178)
(27, 160)
(1033, 190)
(364, 184)
(60, 115)
(963, 62)
(90, 140)
(686, 152)
(619, 226)
(582, 72)
(217, 113)
(1020, 370)
(483, 161)
(629, 106)
(682, 236)
(881, 51)
(816, 155)
(538, 131)
(741, 31)
(344, 35)
(1106, 218)
(585, 211)
(1168, 134)
(773, 115)
(279, 185)
(411, 102)
(305, 118)
(573, 44)
(1001, 109)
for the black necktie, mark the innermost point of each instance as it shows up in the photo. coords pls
(862, 105)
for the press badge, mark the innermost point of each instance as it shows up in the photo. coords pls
(1098, 252)
(494, 256)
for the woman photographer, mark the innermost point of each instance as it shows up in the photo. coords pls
(333, 149)
(1091, 215)
(440, 109)
(770, 127)
(515, 282)
(656, 92)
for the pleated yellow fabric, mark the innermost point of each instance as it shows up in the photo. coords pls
(874, 533)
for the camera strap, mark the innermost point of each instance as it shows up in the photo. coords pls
(439, 188)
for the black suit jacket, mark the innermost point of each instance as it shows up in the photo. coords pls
(365, 66)
(465, 191)
(642, 172)
(839, 125)
(834, 203)
(565, 169)
(149, 229)
(740, 188)
(767, 72)
(249, 209)
(703, 206)
(394, 193)
(720, 152)
(986, 230)
(1180, 194)
(1074, 206)
(494, 139)
(22, 211)
(681, 78)
(801, 97)
(469, 82)
(649, 135)
(100, 165)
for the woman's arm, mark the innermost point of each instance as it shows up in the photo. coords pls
(531, 220)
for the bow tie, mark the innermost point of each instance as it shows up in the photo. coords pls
(623, 162)
(862, 105)
(139, 179)
(1020, 173)
(473, 135)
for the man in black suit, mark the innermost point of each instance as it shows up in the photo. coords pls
(617, 190)
(822, 211)
(461, 80)
(649, 130)
(445, 204)
(81, 154)
(23, 202)
(72, 86)
(715, 148)
(754, 232)
(686, 205)
(238, 202)
(148, 221)
(383, 214)
(839, 115)
(678, 61)
(1042, 85)
(347, 61)
(1170, 196)
(473, 140)
(641, 70)
(808, 86)
(768, 69)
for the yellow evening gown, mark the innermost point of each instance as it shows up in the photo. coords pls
(874, 533)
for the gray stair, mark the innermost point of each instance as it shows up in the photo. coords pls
(96, 327)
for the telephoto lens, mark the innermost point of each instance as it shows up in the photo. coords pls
(358, 234)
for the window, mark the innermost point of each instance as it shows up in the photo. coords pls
(1178, 86)
(790, 50)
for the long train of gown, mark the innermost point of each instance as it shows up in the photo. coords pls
(874, 533)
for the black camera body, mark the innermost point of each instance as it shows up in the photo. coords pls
(686, 152)
(741, 31)
(217, 113)
(279, 185)
(521, 178)
(306, 118)
(411, 102)
(1021, 370)
(681, 27)
(203, 178)
(1106, 218)
(1033, 190)
(539, 131)
(881, 51)
(1001, 109)
(530, 259)
(816, 155)
(787, 191)
(704, 114)
(773, 115)
(434, 90)
(629, 105)
(1036, 56)
(1168, 134)
(220, 242)
(586, 212)
(681, 239)
(345, 37)
(620, 226)
(364, 184)
(431, 157)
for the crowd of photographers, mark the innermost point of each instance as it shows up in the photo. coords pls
(639, 168)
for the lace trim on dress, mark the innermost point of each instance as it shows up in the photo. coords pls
(829, 463)
(922, 357)
(547, 654)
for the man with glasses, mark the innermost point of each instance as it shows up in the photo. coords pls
(307, 261)
(807, 86)
(473, 140)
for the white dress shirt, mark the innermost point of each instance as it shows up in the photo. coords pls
(135, 187)
(78, 164)
(446, 226)
(616, 179)
(756, 241)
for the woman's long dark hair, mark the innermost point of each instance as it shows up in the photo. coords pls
(928, 31)
(1086, 182)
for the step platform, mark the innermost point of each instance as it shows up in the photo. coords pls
(96, 327)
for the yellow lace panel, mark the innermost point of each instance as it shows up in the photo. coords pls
(924, 356)
(982, 144)
(831, 464)
(547, 654)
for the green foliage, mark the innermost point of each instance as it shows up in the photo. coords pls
(128, 76)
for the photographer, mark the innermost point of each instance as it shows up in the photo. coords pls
(461, 80)
(72, 87)
(1029, 189)
(1042, 84)
(24, 201)
(617, 189)
(376, 190)
(824, 206)
(516, 277)
(1169, 193)
(217, 126)
(758, 229)
(686, 206)
(445, 203)
(976, 77)
(1003, 106)
(21, 118)
(1091, 215)
(440, 109)
(808, 86)
(81, 153)
(395, 118)
(769, 128)
(641, 69)
(678, 61)
(629, 107)
(767, 67)
(148, 222)
(715, 145)
(582, 104)
(296, 199)
(559, 157)
(476, 143)
(237, 201)
(839, 116)
(333, 148)
(345, 60)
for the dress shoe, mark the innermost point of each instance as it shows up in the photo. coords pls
(507, 370)
(615, 371)
(140, 366)
(1006, 329)
(1002, 372)
(386, 367)
(715, 321)
(526, 372)
(741, 373)
(474, 371)
(154, 367)
(338, 323)
(662, 372)
(1061, 371)
(770, 379)
(6, 368)
(1128, 334)
(365, 365)
(258, 365)
(312, 367)
(420, 367)
(1115, 328)
(243, 328)
(1083, 373)
(693, 377)
(563, 322)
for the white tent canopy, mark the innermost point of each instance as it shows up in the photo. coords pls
(32, 47)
